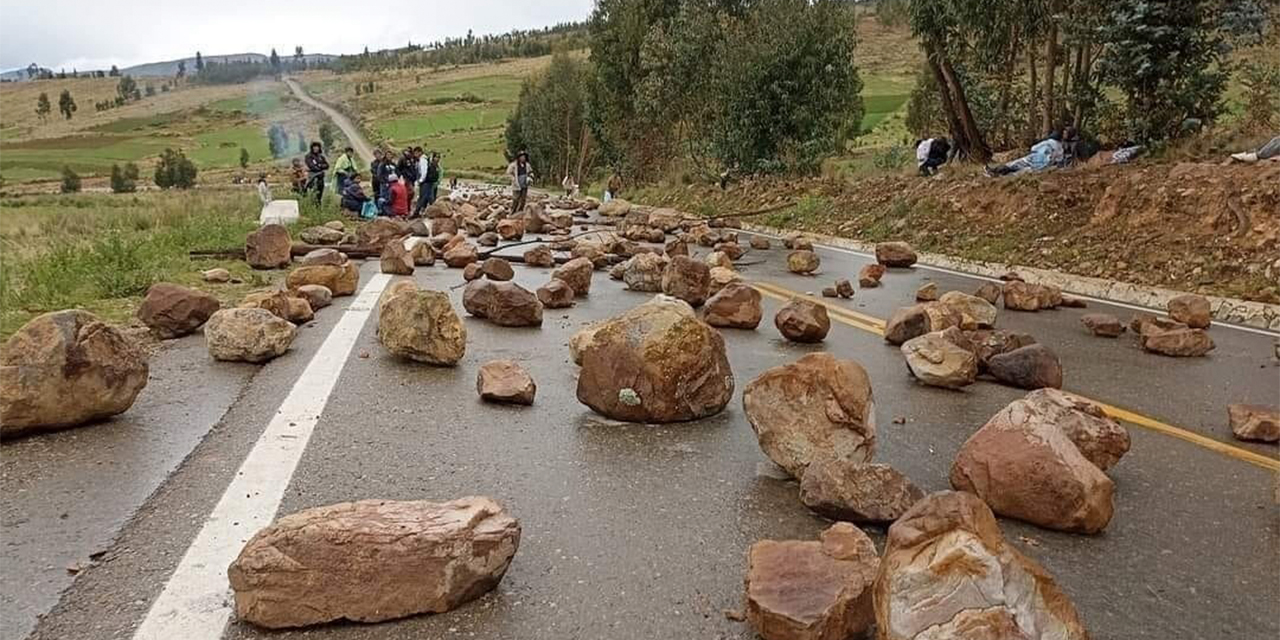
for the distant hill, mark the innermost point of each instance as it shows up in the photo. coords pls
(170, 67)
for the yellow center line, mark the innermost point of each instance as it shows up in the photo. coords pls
(874, 325)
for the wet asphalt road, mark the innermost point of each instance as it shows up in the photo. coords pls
(634, 531)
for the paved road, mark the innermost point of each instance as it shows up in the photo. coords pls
(637, 531)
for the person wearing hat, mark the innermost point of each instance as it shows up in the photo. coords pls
(521, 172)
(317, 164)
(353, 195)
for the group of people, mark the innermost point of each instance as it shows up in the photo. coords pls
(1059, 149)
(395, 180)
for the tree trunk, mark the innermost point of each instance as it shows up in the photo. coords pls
(1033, 98)
(1006, 85)
(1084, 69)
(978, 149)
(948, 107)
(1050, 65)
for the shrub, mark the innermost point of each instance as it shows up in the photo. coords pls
(70, 180)
(175, 170)
(124, 180)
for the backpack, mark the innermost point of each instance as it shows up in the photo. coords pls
(368, 210)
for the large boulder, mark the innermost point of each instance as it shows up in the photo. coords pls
(577, 274)
(422, 326)
(539, 256)
(1100, 439)
(460, 255)
(510, 229)
(372, 560)
(906, 323)
(615, 208)
(737, 306)
(511, 305)
(396, 260)
(803, 262)
(719, 277)
(812, 590)
(321, 235)
(989, 343)
(497, 269)
(504, 381)
(989, 291)
(857, 491)
(1172, 338)
(1191, 310)
(171, 310)
(1034, 366)
(1024, 466)
(420, 251)
(938, 361)
(555, 295)
(1254, 422)
(340, 279)
(816, 407)
(895, 254)
(248, 335)
(317, 296)
(643, 272)
(947, 573)
(1020, 296)
(687, 279)
(803, 321)
(975, 313)
(64, 369)
(656, 363)
(1102, 324)
(269, 247)
(323, 256)
(376, 233)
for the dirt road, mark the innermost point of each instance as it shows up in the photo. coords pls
(349, 129)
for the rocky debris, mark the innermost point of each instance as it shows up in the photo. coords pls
(895, 254)
(812, 590)
(938, 362)
(247, 335)
(643, 272)
(803, 321)
(443, 225)
(341, 280)
(577, 274)
(857, 491)
(615, 208)
(488, 239)
(666, 220)
(760, 243)
(797, 242)
(67, 368)
(1050, 296)
(396, 260)
(928, 292)
(422, 326)
(656, 363)
(677, 247)
(869, 275)
(323, 256)
(420, 251)
(1254, 422)
(687, 279)
(617, 271)
(317, 296)
(1024, 466)
(376, 233)
(735, 306)
(1137, 321)
(336, 225)
(1100, 439)
(988, 343)
(989, 291)
(816, 407)
(172, 311)
(283, 304)
(947, 573)
(733, 250)
(539, 256)
(270, 247)
(1020, 296)
(975, 313)
(472, 272)
(829, 292)
(505, 382)
(497, 269)
(1191, 310)
(372, 560)
(591, 251)
(1171, 338)
(720, 277)
(555, 295)
(1102, 324)
(460, 255)
(1034, 366)
(803, 262)
(914, 321)
(217, 275)
(510, 229)
(718, 259)
(1072, 302)
(321, 235)
(477, 297)
(844, 288)
(511, 305)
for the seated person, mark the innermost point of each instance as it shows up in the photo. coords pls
(353, 197)
(931, 154)
(399, 198)
(1044, 154)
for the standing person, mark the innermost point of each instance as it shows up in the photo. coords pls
(264, 191)
(399, 197)
(521, 172)
(428, 180)
(343, 169)
(614, 187)
(317, 164)
(407, 169)
(299, 176)
(375, 173)
(932, 154)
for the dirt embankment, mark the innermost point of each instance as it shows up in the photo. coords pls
(1194, 227)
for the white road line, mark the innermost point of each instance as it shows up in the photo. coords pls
(974, 276)
(196, 601)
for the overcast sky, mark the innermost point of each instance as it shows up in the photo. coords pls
(95, 34)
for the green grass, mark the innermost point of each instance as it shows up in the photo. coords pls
(497, 88)
(453, 120)
(258, 103)
(87, 155)
(879, 107)
(221, 147)
(128, 125)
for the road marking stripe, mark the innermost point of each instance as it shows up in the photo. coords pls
(1137, 419)
(195, 603)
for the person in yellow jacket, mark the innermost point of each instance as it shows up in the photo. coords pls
(343, 169)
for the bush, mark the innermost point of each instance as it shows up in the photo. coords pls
(70, 180)
(124, 180)
(175, 170)
(895, 157)
(1261, 96)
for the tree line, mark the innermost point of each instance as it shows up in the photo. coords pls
(470, 49)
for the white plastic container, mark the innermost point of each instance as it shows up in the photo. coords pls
(279, 212)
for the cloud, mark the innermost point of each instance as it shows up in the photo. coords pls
(88, 34)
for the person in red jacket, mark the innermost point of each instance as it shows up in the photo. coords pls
(399, 198)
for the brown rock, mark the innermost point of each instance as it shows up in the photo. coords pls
(577, 274)
(989, 291)
(759, 242)
(506, 382)
(510, 229)
(372, 560)
(721, 277)
(975, 313)
(323, 256)
(643, 272)
(420, 251)
(1170, 338)
(555, 295)
(803, 321)
(1073, 302)
(1102, 324)
(1020, 296)
(396, 260)
(376, 233)
(857, 491)
(1254, 422)
(844, 288)
(472, 272)
(895, 254)
(341, 280)
(1050, 296)
(317, 296)
(938, 362)
(423, 327)
(64, 369)
(269, 247)
(539, 256)
(736, 306)
(460, 255)
(829, 292)
(869, 275)
(511, 305)
(477, 297)
(814, 408)
(687, 279)
(803, 262)
(988, 343)
(947, 573)
(812, 590)
(718, 259)
(171, 311)
(217, 275)
(906, 323)
(656, 363)
(1191, 310)
(443, 225)
(928, 292)
(1031, 367)
(1100, 439)
(321, 235)
(1025, 467)
(733, 250)
(497, 269)
(282, 304)
(247, 335)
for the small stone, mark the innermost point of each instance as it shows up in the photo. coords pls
(1102, 324)
(1254, 422)
(927, 292)
(217, 275)
(829, 292)
(759, 242)
(869, 276)
(504, 381)
(844, 288)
